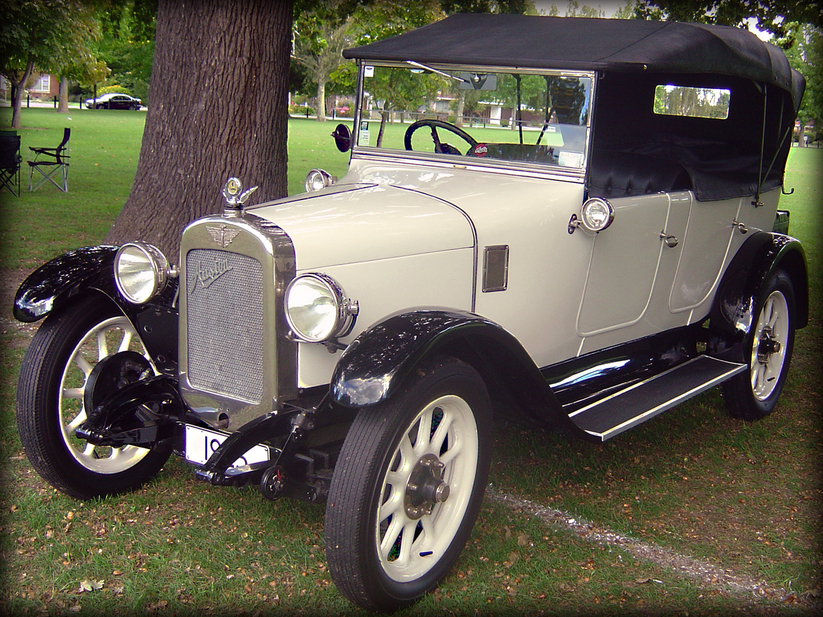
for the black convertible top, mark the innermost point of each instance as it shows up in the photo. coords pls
(590, 44)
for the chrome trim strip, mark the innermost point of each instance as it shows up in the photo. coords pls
(446, 161)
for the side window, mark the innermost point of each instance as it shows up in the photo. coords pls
(670, 100)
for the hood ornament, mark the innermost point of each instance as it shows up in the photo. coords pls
(235, 197)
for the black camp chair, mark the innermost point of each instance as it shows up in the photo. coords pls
(50, 167)
(10, 162)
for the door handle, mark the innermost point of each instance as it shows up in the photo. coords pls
(671, 241)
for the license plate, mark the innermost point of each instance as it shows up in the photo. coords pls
(201, 444)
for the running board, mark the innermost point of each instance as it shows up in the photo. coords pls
(643, 401)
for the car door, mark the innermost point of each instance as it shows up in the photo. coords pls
(623, 266)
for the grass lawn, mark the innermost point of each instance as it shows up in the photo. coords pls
(745, 497)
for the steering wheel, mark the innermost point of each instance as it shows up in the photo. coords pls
(439, 147)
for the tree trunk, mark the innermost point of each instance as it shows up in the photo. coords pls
(461, 106)
(19, 89)
(219, 91)
(63, 96)
(321, 100)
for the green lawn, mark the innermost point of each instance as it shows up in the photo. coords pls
(745, 497)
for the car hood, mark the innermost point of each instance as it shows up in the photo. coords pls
(350, 223)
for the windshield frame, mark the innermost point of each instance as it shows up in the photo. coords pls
(470, 162)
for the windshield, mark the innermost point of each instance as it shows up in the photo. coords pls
(501, 115)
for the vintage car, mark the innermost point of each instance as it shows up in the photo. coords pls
(598, 242)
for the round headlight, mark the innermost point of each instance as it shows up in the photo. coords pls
(140, 271)
(317, 310)
(596, 215)
(318, 179)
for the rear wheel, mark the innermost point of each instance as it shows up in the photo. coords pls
(408, 486)
(753, 394)
(50, 401)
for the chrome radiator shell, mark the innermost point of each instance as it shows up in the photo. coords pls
(236, 362)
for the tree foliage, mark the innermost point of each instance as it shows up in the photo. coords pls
(47, 36)
(127, 45)
(779, 18)
(806, 55)
(520, 7)
(324, 29)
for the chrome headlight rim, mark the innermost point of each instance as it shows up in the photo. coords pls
(596, 215)
(141, 271)
(318, 179)
(338, 323)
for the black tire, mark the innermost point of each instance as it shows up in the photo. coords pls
(50, 402)
(768, 346)
(373, 474)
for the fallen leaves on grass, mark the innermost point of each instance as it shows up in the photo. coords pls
(90, 585)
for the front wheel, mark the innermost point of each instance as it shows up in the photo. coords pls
(753, 394)
(408, 486)
(50, 402)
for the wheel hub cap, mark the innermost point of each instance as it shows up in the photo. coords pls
(767, 345)
(425, 487)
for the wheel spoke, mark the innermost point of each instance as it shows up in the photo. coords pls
(102, 345)
(424, 428)
(77, 421)
(449, 455)
(406, 453)
(83, 364)
(126, 342)
(440, 434)
(759, 378)
(391, 535)
(406, 541)
(74, 393)
(392, 504)
(428, 533)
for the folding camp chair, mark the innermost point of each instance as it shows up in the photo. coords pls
(50, 167)
(10, 162)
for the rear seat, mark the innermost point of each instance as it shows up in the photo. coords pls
(624, 174)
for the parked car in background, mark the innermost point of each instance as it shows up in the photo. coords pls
(114, 100)
(605, 247)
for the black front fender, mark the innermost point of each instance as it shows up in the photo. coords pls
(62, 278)
(91, 270)
(384, 357)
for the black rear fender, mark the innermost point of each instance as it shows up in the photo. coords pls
(742, 284)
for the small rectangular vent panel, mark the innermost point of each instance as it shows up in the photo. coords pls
(496, 268)
(224, 295)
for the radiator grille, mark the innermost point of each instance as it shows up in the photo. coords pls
(224, 319)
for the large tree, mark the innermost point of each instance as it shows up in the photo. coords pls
(218, 109)
(43, 35)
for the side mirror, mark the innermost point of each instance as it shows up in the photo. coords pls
(342, 137)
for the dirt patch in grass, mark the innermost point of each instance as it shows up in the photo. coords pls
(20, 332)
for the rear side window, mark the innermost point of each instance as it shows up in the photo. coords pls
(688, 101)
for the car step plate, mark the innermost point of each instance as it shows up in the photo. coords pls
(640, 402)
